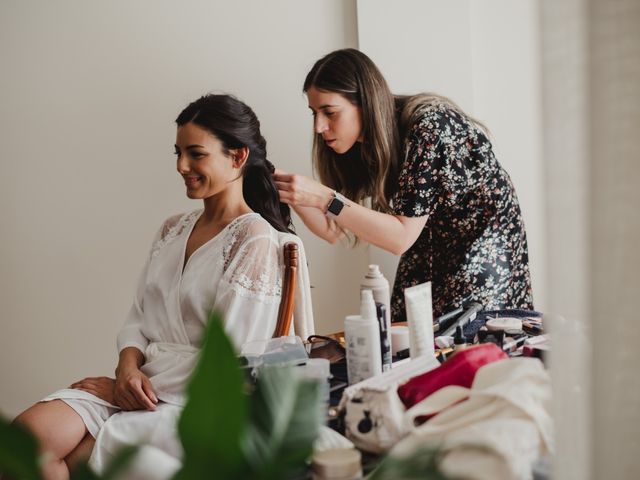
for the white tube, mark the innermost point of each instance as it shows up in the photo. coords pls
(419, 319)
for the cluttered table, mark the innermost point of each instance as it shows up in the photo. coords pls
(364, 412)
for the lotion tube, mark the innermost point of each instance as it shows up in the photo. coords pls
(419, 319)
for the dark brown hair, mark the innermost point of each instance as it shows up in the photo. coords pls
(237, 126)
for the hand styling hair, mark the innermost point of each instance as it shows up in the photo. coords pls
(236, 126)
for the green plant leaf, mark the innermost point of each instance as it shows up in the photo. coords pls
(116, 466)
(83, 472)
(419, 465)
(213, 421)
(285, 418)
(18, 452)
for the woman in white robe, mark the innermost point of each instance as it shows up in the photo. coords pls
(225, 256)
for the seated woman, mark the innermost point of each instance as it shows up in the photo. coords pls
(226, 256)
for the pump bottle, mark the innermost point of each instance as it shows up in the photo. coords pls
(362, 335)
(375, 281)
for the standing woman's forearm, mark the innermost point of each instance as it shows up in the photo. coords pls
(392, 233)
(310, 200)
(319, 224)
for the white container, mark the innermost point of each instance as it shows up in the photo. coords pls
(318, 370)
(419, 319)
(368, 310)
(367, 305)
(399, 338)
(362, 336)
(375, 281)
(337, 464)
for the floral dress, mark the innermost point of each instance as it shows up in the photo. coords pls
(473, 245)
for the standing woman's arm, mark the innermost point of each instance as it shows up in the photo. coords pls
(318, 223)
(394, 233)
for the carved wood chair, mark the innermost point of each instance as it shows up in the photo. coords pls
(289, 284)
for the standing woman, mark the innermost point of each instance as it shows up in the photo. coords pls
(438, 196)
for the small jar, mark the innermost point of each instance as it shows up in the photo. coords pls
(337, 464)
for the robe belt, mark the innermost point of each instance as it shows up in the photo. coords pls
(156, 349)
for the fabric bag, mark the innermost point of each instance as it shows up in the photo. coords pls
(373, 412)
(494, 430)
(375, 409)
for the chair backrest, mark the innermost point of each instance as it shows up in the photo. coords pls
(289, 283)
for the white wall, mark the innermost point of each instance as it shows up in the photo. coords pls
(484, 56)
(89, 92)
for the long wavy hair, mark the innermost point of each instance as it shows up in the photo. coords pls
(369, 169)
(236, 126)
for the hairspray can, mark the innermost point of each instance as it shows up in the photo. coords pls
(375, 281)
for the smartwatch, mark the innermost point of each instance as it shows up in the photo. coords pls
(336, 205)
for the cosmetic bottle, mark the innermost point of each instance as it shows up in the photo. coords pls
(459, 340)
(375, 281)
(385, 341)
(419, 319)
(362, 335)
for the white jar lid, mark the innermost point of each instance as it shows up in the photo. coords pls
(337, 463)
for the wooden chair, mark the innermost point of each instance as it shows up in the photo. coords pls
(289, 284)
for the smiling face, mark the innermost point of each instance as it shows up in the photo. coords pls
(202, 162)
(336, 119)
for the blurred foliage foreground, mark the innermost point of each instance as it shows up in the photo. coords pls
(229, 428)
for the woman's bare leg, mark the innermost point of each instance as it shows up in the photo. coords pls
(81, 453)
(59, 431)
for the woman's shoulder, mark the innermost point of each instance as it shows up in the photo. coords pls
(250, 238)
(178, 221)
(250, 227)
(434, 115)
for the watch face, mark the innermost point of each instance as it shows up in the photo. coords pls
(335, 207)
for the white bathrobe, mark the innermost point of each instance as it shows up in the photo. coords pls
(238, 272)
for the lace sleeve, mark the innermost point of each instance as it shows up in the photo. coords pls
(249, 291)
(253, 269)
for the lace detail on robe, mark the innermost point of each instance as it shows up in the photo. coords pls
(252, 262)
(172, 228)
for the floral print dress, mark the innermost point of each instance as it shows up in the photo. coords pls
(473, 245)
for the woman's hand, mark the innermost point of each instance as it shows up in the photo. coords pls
(101, 387)
(133, 390)
(300, 191)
